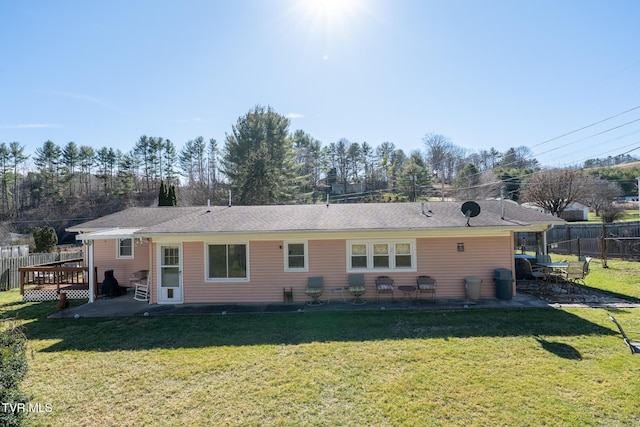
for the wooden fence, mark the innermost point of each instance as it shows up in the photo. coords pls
(14, 251)
(9, 268)
(622, 240)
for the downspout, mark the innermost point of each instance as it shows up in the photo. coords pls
(502, 202)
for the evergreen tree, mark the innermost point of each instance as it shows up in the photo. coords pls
(167, 195)
(171, 196)
(259, 159)
(163, 195)
(45, 239)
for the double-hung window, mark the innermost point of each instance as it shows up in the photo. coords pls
(295, 257)
(227, 262)
(358, 257)
(381, 255)
(125, 248)
(403, 255)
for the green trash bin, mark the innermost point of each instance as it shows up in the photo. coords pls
(472, 285)
(503, 278)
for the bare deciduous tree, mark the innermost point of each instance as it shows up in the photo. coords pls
(600, 193)
(438, 150)
(555, 189)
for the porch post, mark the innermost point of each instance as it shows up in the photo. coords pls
(150, 274)
(92, 278)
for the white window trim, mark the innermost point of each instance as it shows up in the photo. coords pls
(285, 247)
(224, 279)
(392, 256)
(133, 246)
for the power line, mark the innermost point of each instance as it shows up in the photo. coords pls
(590, 136)
(587, 126)
(579, 140)
(521, 177)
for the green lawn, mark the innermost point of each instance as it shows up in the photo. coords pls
(469, 367)
(621, 277)
(630, 215)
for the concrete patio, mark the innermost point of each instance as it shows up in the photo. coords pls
(125, 306)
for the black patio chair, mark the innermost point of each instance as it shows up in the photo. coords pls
(384, 284)
(529, 274)
(426, 285)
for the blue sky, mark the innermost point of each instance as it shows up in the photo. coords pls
(484, 73)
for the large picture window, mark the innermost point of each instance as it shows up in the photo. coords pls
(125, 248)
(295, 257)
(384, 255)
(227, 262)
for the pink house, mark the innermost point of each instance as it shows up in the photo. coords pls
(244, 254)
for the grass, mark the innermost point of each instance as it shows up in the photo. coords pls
(630, 215)
(620, 277)
(491, 367)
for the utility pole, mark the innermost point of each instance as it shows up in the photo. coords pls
(413, 179)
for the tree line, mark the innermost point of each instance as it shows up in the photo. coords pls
(261, 162)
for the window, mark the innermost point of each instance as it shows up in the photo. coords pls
(295, 256)
(227, 262)
(380, 255)
(403, 255)
(385, 255)
(359, 255)
(125, 248)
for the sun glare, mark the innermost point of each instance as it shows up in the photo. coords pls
(331, 13)
(330, 24)
(331, 10)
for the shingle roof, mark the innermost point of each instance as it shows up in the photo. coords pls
(316, 218)
(135, 218)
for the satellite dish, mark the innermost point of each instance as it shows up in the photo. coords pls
(470, 209)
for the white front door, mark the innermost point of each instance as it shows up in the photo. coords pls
(169, 274)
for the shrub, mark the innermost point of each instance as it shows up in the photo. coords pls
(45, 239)
(394, 198)
(13, 368)
(612, 213)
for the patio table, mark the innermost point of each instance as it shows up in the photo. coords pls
(339, 290)
(551, 267)
(407, 290)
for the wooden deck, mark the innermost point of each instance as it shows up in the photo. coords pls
(46, 282)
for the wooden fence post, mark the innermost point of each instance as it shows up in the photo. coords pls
(604, 246)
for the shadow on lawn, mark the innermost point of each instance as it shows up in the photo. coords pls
(560, 349)
(167, 332)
